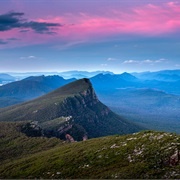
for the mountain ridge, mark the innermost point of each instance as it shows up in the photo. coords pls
(72, 109)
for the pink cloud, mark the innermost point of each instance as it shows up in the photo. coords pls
(24, 39)
(150, 20)
(147, 20)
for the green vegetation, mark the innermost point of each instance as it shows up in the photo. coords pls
(141, 155)
(14, 144)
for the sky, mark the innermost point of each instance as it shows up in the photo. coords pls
(111, 35)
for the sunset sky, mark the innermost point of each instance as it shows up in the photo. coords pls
(114, 35)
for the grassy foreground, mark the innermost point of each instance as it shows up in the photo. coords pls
(146, 154)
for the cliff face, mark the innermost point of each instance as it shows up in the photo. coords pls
(74, 110)
(87, 113)
(85, 105)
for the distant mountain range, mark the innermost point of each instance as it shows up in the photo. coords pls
(72, 109)
(167, 80)
(126, 80)
(114, 81)
(66, 74)
(82, 74)
(29, 88)
(6, 78)
(165, 75)
(151, 103)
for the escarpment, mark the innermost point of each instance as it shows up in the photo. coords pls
(70, 111)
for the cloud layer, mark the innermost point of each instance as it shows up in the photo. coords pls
(147, 61)
(149, 20)
(142, 20)
(14, 20)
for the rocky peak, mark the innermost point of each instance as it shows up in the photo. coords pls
(90, 94)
